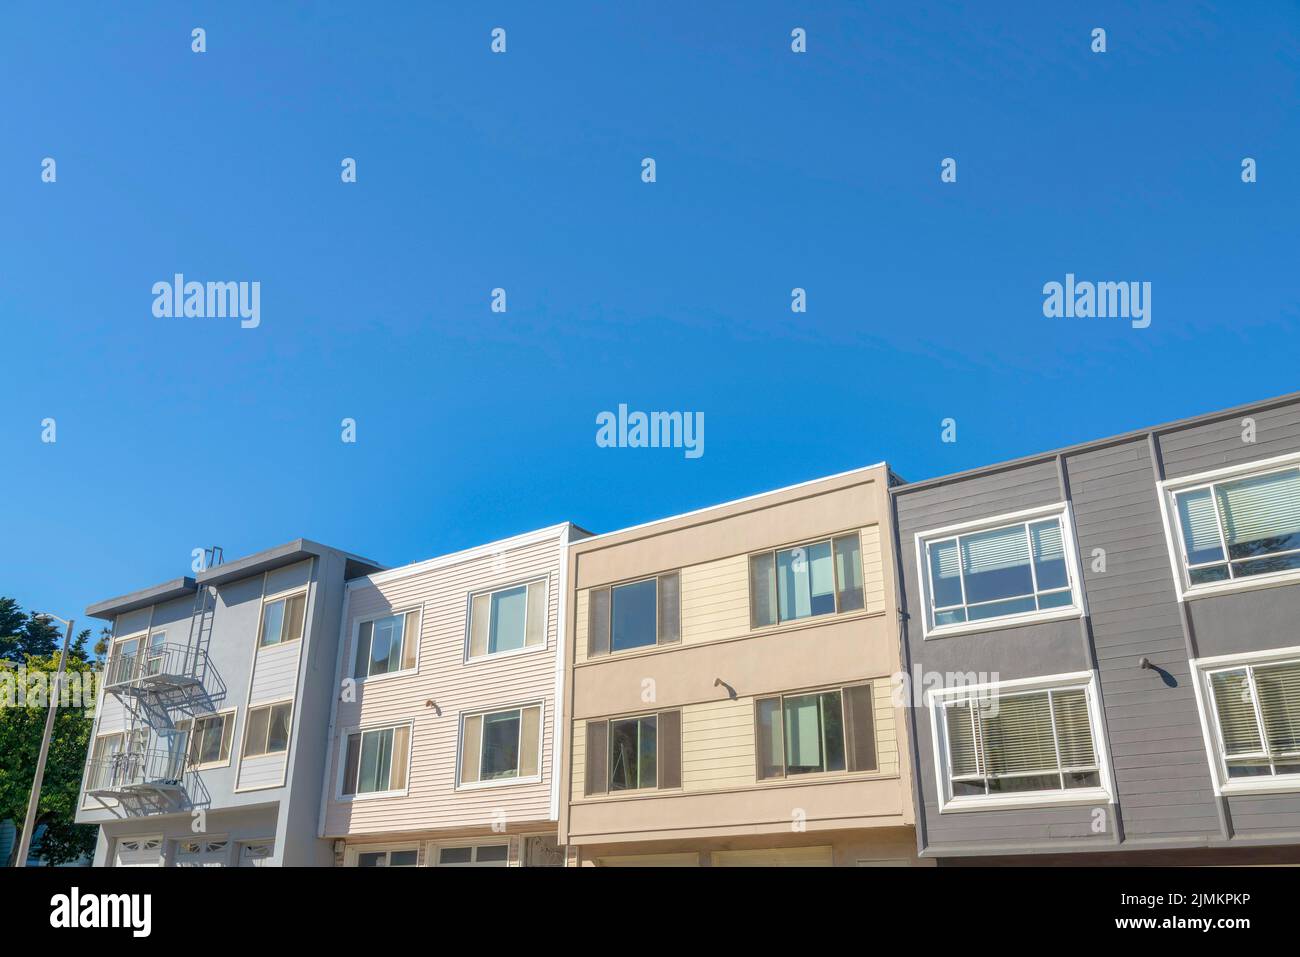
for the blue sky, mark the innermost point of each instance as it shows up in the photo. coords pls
(522, 171)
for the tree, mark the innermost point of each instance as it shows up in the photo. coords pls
(22, 725)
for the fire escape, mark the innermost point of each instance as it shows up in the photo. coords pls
(154, 679)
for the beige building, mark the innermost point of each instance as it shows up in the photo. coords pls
(728, 693)
(444, 733)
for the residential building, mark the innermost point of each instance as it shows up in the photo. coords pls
(1103, 644)
(211, 725)
(728, 699)
(444, 736)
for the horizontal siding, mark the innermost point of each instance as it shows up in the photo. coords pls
(718, 745)
(445, 687)
(715, 600)
(275, 673)
(262, 771)
(873, 569)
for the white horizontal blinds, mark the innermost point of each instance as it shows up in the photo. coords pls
(1018, 735)
(762, 589)
(529, 741)
(994, 550)
(1073, 729)
(1261, 515)
(963, 747)
(471, 742)
(1200, 527)
(1235, 706)
(535, 633)
(480, 617)
(1049, 555)
(1278, 688)
(669, 610)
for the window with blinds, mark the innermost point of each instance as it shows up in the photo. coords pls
(1016, 742)
(1000, 572)
(1257, 712)
(1240, 527)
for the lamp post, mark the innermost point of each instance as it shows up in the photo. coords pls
(53, 705)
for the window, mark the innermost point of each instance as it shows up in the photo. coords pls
(209, 738)
(634, 615)
(816, 732)
(1004, 572)
(477, 855)
(501, 746)
(375, 761)
(282, 619)
(1256, 721)
(820, 578)
(1020, 742)
(138, 656)
(388, 857)
(387, 645)
(204, 852)
(634, 753)
(268, 729)
(509, 619)
(1231, 527)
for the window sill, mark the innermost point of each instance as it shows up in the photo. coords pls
(387, 676)
(1280, 784)
(499, 783)
(514, 653)
(370, 796)
(1251, 583)
(1027, 800)
(1000, 624)
(214, 766)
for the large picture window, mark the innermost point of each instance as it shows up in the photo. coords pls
(817, 578)
(999, 571)
(1023, 744)
(1235, 528)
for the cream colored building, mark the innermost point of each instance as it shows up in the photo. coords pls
(728, 691)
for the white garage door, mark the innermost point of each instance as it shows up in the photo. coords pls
(207, 852)
(138, 852)
(255, 853)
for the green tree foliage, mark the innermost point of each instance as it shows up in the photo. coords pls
(33, 644)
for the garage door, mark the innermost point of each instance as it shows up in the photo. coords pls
(255, 853)
(650, 860)
(202, 853)
(776, 857)
(138, 852)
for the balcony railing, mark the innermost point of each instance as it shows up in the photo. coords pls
(157, 666)
(136, 772)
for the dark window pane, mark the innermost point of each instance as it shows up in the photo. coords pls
(403, 858)
(1203, 576)
(492, 852)
(455, 855)
(771, 763)
(500, 745)
(633, 616)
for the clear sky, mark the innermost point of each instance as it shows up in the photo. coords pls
(522, 171)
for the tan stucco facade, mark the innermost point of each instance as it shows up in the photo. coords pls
(713, 671)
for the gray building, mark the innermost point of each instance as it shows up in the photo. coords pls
(1102, 647)
(213, 713)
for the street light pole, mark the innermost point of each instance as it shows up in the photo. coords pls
(53, 706)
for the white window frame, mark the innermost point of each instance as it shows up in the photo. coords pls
(1078, 603)
(356, 642)
(343, 763)
(501, 782)
(284, 596)
(935, 700)
(1202, 668)
(435, 847)
(354, 851)
(230, 714)
(1169, 488)
(525, 650)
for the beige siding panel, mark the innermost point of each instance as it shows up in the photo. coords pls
(886, 727)
(718, 745)
(578, 760)
(715, 600)
(777, 857)
(873, 569)
(580, 625)
(444, 688)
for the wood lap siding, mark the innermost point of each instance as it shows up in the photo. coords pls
(455, 688)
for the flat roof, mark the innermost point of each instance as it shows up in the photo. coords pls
(255, 564)
(1258, 406)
